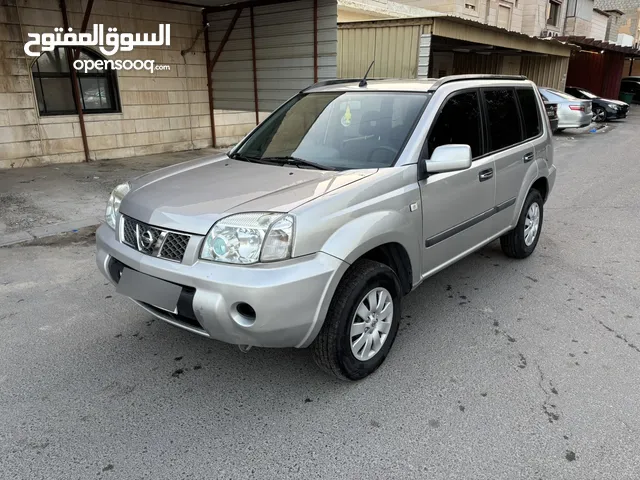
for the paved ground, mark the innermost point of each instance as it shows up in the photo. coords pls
(35, 202)
(502, 369)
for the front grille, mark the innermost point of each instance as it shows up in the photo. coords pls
(174, 246)
(154, 241)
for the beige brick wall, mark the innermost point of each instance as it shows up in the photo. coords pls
(598, 28)
(164, 111)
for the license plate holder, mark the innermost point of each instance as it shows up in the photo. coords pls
(148, 289)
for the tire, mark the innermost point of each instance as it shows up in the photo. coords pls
(599, 115)
(514, 243)
(558, 130)
(332, 348)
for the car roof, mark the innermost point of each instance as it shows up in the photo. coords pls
(400, 85)
(388, 84)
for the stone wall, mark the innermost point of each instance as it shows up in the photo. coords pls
(628, 23)
(162, 111)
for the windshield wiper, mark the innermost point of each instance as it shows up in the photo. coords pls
(244, 158)
(298, 162)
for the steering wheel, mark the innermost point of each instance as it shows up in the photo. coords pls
(382, 147)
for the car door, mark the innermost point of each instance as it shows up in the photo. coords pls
(511, 152)
(456, 206)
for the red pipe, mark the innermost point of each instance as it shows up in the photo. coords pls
(315, 41)
(75, 85)
(209, 78)
(255, 70)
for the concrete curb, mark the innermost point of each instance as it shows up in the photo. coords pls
(47, 231)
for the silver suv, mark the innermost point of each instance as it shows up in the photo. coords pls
(311, 230)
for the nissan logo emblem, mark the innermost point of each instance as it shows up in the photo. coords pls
(147, 239)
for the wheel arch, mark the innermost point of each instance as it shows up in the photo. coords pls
(542, 185)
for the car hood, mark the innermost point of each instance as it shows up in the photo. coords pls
(603, 102)
(616, 102)
(192, 196)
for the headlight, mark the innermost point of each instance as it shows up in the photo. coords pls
(613, 106)
(113, 205)
(249, 237)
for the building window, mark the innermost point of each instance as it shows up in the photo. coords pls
(470, 4)
(554, 13)
(52, 79)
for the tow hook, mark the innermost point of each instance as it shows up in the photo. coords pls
(244, 348)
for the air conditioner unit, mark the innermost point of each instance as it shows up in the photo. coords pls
(549, 33)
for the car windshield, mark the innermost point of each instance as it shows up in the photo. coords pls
(336, 130)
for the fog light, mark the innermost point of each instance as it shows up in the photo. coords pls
(243, 314)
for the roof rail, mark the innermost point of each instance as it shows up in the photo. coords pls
(335, 81)
(461, 78)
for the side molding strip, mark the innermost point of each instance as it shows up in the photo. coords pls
(430, 242)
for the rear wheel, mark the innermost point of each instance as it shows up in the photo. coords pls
(599, 114)
(558, 130)
(522, 240)
(362, 322)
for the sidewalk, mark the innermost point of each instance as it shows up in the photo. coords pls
(42, 201)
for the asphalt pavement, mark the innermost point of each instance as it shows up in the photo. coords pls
(502, 369)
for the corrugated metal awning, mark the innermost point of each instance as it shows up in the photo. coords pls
(592, 44)
(451, 26)
(222, 4)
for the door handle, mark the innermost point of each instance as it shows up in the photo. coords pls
(527, 157)
(485, 174)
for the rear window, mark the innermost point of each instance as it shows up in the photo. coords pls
(504, 120)
(559, 94)
(530, 115)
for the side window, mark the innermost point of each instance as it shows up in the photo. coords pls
(503, 118)
(529, 108)
(458, 122)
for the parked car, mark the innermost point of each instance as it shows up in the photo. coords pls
(603, 108)
(631, 85)
(552, 113)
(314, 227)
(572, 112)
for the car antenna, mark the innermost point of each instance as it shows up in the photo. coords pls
(363, 82)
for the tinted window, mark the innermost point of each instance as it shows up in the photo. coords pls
(458, 122)
(529, 108)
(503, 117)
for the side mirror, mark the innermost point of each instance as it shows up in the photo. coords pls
(449, 158)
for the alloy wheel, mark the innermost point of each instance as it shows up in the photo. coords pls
(599, 115)
(531, 224)
(371, 324)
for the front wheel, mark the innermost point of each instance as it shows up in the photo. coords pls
(599, 115)
(362, 322)
(522, 240)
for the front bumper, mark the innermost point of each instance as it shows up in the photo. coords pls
(290, 298)
(616, 113)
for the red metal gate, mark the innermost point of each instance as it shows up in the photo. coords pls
(598, 72)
